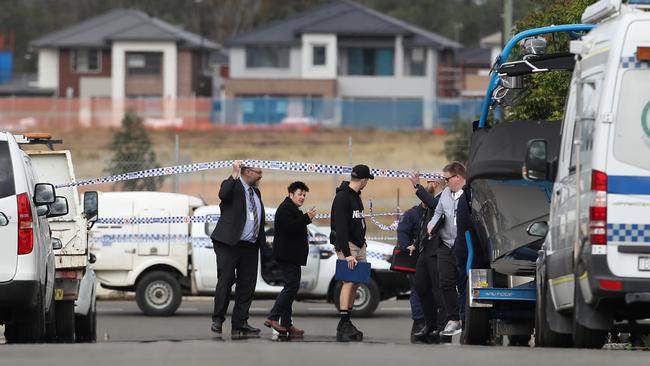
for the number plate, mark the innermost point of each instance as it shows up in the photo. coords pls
(644, 263)
(58, 294)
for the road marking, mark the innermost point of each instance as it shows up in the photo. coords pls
(104, 310)
(188, 309)
(322, 309)
(260, 309)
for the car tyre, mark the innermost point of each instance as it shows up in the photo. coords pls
(544, 336)
(29, 325)
(86, 325)
(584, 337)
(476, 327)
(65, 321)
(158, 293)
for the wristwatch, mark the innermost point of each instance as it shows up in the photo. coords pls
(416, 186)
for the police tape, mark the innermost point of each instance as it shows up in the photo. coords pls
(210, 218)
(221, 164)
(383, 227)
(108, 240)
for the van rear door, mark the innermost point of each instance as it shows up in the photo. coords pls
(628, 166)
(8, 207)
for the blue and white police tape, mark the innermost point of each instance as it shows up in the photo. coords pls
(202, 242)
(391, 227)
(263, 164)
(210, 218)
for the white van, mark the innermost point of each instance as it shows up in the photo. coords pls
(595, 267)
(26, 254)
(161, 261)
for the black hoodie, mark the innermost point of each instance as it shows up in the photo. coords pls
(348, 223)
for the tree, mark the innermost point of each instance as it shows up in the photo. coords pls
(546, 92)
(133, 152)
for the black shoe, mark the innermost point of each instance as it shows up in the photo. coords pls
(417, 325)
(245, 331)
(216, 328)
(346, 332)
(427, 335)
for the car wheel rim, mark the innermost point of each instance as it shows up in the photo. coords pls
(159, 294)
(362, 297)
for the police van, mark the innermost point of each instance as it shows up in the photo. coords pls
(594, 268)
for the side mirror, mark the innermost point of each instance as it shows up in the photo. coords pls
(536, 166)
(57, 244)
(4, 221)
(91, 206)
(539, 229)
(92, 258)
(42, 210)
(44, 194)
(59, 207)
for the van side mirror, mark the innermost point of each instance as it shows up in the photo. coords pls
(59, 207)
(44, 194)
(42, 210)
(539, 229)
(536, 166)
(57, 244)
(91, 206)
(4, 221)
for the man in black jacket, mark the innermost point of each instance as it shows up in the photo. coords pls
(237, 239)
(349, 238)
(290, 250)
(426, 272)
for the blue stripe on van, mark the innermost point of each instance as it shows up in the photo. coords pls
(627, 184)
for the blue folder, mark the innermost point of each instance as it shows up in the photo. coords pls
(360, 273)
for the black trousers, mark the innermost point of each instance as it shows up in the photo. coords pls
(448, 275)
(235, 265)
(427, 287)
(282, 308)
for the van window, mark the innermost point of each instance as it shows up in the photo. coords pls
(632, 131)
(7, 185)
(587, 115)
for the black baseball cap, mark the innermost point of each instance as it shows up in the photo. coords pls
(361, 172)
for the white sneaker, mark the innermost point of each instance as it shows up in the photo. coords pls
(452, 328)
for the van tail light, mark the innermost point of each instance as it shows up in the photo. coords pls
(598, 209)
(25, 225)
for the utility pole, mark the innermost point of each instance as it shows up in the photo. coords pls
(507, 21)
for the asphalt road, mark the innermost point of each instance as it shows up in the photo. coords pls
(125, 337)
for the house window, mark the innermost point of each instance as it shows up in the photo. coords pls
(143, 63)
(415, 61)
(86, 60)
(370, 61)
(319, 57)
(276, 57)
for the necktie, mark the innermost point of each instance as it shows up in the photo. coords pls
(256, 228)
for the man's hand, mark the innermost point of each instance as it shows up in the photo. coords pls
(352, 262)
(414, 177)
(411, 249)
(311, 213)
(236, 168)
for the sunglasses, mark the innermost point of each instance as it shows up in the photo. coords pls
(447, 179)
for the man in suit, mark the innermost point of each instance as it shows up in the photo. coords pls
(426, 272)
(290, 250)
(237, 239)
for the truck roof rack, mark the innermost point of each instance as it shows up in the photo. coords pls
(37, 139)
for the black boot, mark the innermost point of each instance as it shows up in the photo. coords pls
(427, 334)
(346, 332)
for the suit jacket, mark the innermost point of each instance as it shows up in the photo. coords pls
(290, 237)
(426, 245)
(233, 214)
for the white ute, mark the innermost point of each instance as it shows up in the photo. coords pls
(74, 287)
